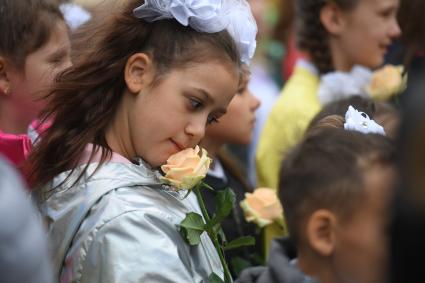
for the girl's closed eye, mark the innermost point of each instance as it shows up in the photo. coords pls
(195, 104)
(58, 57)
(387, 13)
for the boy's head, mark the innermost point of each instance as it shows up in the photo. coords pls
(335, 187)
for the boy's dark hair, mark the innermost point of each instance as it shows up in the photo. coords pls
(340, 107)
(327, 170)
(312, 35)
(95, 83)
(25, 26)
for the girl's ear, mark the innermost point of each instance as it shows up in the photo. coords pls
(321, 232)
(4, 80)
(139, 72)
(332, 19)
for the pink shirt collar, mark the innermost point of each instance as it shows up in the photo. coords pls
(116, 157)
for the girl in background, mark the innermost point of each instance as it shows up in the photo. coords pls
(235, 127)
(34, 48)
(333, 36)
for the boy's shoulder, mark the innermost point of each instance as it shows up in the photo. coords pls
(281, 267)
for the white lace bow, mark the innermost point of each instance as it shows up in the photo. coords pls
(339, 85)
(208, 16)
(360, 121)
(74, 15)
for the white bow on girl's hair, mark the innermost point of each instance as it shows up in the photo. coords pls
(75, 15)
(208, 16)
(339, 85)
(360, 121)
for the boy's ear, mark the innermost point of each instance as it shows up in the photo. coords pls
(4, 80)
(321, 232)
(139, 72)
(332, 18)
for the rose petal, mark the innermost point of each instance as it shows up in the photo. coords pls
(179, 173)
(179, 157)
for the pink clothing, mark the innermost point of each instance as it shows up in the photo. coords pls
(15, 148)
(117, 158)
(292, 56)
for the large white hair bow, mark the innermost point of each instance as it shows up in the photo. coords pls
(360, 121)
(75, 15)
(339, 85)
(208, 16)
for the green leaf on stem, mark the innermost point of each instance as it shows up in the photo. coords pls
(240, 242)
(214, 278)
(239, 264)
(191, 228)
(220, 233)
(224, 202)
(205, 185)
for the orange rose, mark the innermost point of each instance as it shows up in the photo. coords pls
(186, 168)
(262, 207)
(387, 82)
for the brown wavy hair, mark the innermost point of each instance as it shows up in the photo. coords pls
(25, 26)
(312, 35)
(85, 98)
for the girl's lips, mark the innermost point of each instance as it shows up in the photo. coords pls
(384, 47)
(178, 146)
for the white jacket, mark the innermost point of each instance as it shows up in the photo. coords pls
(120, 225)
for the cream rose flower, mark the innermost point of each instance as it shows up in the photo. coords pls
(262, 207)
(387, 82)
(186, 168)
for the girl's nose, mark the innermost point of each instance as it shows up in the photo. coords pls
(255, 102)
(196, 128)
(395, 29)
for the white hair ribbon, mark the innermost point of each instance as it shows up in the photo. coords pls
(340, 85)
(360, 121)
(75, 15)
(208, 16)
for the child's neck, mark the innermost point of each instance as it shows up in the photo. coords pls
(339, 58)
(11, 122)
(315, 266)
(118, 132)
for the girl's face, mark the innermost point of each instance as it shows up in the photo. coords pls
(369, 29)
(39, 71)
(173, 115)
(237, 125)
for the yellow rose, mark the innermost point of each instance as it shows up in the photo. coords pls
(186, 168)
(387, 82)
(262, 207)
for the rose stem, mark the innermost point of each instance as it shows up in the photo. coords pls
(213, 236)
